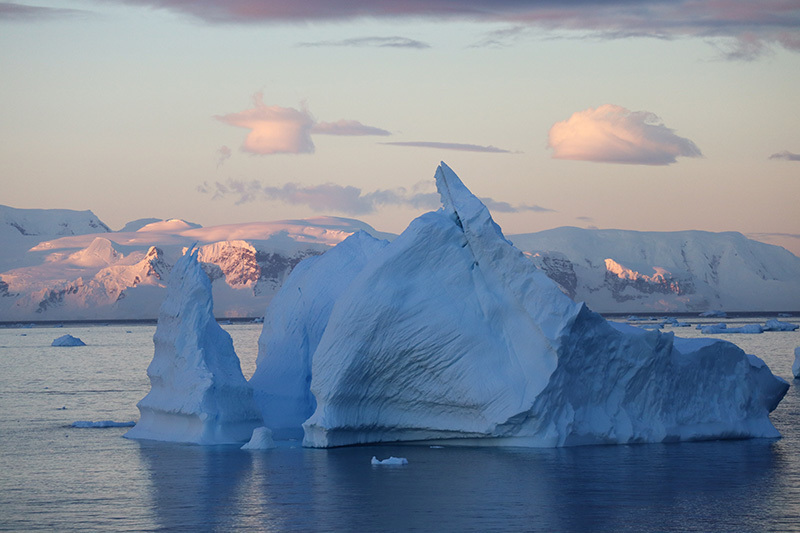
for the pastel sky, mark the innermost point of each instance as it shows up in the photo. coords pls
(650, 115)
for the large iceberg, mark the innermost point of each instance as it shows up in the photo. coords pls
(293, 326)
(450, 332)
(198, 393)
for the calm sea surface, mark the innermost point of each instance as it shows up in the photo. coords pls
(56, 477)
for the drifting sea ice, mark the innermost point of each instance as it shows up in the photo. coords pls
(776, 325)
(68, 340)
(723, 328)
(389, 461)
(101, 424)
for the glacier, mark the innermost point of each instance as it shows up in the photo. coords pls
(198, 393)
(450, 333)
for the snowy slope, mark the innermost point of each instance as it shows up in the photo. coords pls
(631, 271)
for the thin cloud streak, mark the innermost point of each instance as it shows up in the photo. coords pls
(21, 12)
(347, 128)
(768, 21)
(372, 42)
(786, 155)
(613, 134)
(450, 146)
(342, 198)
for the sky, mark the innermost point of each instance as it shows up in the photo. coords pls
(650, 115)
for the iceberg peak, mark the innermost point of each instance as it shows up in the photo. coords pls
(198, 393)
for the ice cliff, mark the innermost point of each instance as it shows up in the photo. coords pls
(293, 327)
(450, 332)
(198, 392)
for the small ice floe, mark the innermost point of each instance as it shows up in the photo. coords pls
(796, 365)
(435, 447)
(68, 340)
(774, 324)
(261, 439)
(102, 424)
(714, 313)
(723, 328)
(389, 461)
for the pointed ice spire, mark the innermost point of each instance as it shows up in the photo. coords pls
(198, 392)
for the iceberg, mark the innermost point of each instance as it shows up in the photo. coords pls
(389, 461)
(293, 326)
(796, 364)
(723, 328)
(198, 393)
(101, 424)
(261, 440)
(774, 324)
(449, 333)
(68, 340)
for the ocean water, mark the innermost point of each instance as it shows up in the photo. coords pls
(55, 477)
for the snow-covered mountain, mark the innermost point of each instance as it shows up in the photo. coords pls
(58, 264)
(633, 271)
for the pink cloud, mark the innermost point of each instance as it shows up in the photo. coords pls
(613, 134)
(273, 129)
(346, 127)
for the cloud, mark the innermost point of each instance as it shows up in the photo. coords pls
(450, 146)
(20, 12)
(284, 130)
(613, 134)
(341, 198)
(504, 207)
(273, 129)
(770, 21)
(346, 127)
(223, 154)
(374, 42)
(786, 155)
(745, 47)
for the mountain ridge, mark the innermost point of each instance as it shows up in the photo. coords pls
(65, 264)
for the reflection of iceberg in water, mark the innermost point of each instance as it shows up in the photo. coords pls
(196, 488)
(602, 488)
